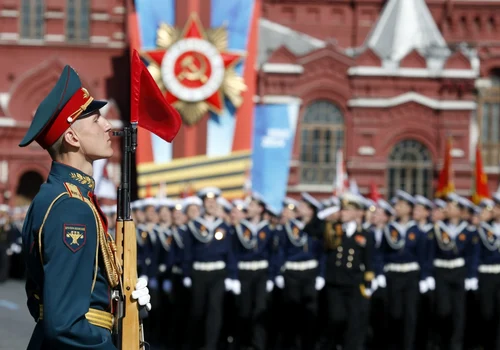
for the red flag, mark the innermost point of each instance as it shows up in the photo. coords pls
(374, 194)
(148, 107)
(445, 182)
(480, 179)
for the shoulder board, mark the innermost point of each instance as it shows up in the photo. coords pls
(73, 191)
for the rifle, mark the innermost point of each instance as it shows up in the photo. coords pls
(127, 311)
(150, 110)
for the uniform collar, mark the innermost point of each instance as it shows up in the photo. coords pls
(66, 173)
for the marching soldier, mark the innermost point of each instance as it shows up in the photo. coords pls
(254, 251)
(209, 268)
(403, 249)
(278, 315)
(455, 260)
(303, 267)
(378, 312)
(422, 215)
(14, 228)
(348, 274)
(162, 248)
(180, 294)
(71, 266)
(489, 276)
(4, 243)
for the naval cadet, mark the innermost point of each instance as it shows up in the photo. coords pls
(455, 261)
(349, 274)
(403, 248)
(209, 268)
(303, 271)
(254, 251)
(489, 275)
(70, 256)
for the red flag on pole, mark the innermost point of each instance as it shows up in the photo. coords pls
(480, 179)
(148, 107)
(446, 184)
(374, 194)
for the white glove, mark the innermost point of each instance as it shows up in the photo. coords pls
(144, 277)
(423, 286)
(15, 248)
(431, 283)
(141, 293)
(162, 268)
(236, 287)
(374, 286)
(280, 282)
(320, 283)
(381, 281)
(471, 284)
(228, 284)
(368, 292)
(167, 286)
(269, 286)
(187, 282)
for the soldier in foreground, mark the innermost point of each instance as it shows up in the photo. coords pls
(70, 256)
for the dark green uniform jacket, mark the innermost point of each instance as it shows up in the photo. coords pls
(68, 278)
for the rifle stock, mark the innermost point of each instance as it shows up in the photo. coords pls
(130, 328)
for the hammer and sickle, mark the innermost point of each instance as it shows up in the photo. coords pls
(190, 71)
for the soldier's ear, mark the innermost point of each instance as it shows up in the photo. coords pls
(71, 138)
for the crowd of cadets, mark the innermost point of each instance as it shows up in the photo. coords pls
(343, 273)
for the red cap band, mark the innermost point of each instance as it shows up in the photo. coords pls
(70, 112)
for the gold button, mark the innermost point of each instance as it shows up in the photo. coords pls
(351, 251)
(338, 263)
(339, 256)
(350, 258)
(340, 249)
(349, 265)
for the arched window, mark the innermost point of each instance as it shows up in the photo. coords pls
(410, 169)
(32, 19)
(77, 21)
(489, 120)
(322, 134)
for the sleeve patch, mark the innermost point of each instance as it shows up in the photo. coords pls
(75, 236)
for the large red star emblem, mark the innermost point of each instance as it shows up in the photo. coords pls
(191, 67)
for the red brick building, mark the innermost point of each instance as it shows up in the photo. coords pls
(37, 38)
(387, 87)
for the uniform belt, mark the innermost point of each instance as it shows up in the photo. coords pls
(253, 265)
(209, 266)
(95, 317)
(491, 269)
(402, 268)
(176, 270)
(449, 264)
(301, 265)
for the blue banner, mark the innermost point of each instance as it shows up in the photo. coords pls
(273, 138)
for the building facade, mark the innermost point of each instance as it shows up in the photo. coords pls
(385, 81)
(37, 38)
(388, 82)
